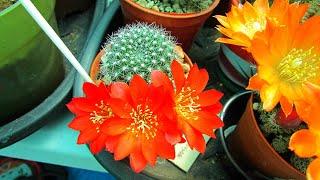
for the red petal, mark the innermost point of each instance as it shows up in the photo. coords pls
(149, 151)
(164, 149)
(194, 137)
(120, 108)
(137, 161)
(120, 90)
(81, 123)
(158, 78)
(286, 106)
(115, 126)
(206, 123)
(80, 105)
(125, 146)
(97, 145)
(178, 75)
(209, 97)
(138, 89)
(95, 92)
(87, 136)
(111, 143)
(197, 79)
(214, 109)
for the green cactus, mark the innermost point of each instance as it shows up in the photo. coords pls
(280, 143)
(177, 6)
(300, 163)
(137, 49)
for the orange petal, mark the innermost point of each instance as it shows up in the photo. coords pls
(126, 145)
(137, 161)
(158, 78)
(232, 41)
(178, 75)
(149, 151)
(313, 171)
(303, 143)
(206, 123)
(197, 80)
(209, 97)
(120, 108)
(111, 143)
(223, 20)
(270, 97)
(255, 83)
(261, 5)
(286, 106)
(120, 90)
(115, 126)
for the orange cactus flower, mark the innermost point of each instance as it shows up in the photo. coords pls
(140, 130)
(288, 59)
(306, 144)
(91, 112)
(195, 109)
(241, 24)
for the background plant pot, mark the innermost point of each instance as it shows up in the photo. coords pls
(30, 65)
(65, 7)
(248, 145)
(182, 26)
(95, 67)
(234, 67)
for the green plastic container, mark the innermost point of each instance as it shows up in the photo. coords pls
(31, 67)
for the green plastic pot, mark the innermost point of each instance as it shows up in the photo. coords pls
(31, 67)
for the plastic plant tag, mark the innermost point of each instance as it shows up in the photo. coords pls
(185, 156)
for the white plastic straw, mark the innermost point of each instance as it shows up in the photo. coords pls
(33, 11)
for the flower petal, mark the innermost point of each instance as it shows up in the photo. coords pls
(97, 145)
(286, 106)
(120, 108)
(206, 123)
(164, 149)
(81, 123)
(194, 137)
(111, 143)
(120, 90)
(178, 75)
(209, 97)
(270, 97)
(160, 79)
(81, 105)
(197, 79)
(149, 151)
(126, 145)
(137, 161)
(255, 83)
(313, 172)
(87, 136)
(95, 92)
(115, 126)
(138, 89)
(304, 143)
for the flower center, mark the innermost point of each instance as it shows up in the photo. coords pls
(299, 66)
(144, 122)
(186, 105)
(253, 25)
(98, 117)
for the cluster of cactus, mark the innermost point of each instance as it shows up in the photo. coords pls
(278, 136)
(137, 49)
(176, 6)
(6, 3)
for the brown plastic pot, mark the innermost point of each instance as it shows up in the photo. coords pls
(182, 26)
(248, 144)
(95, 67)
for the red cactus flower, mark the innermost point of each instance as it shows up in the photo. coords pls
(141, 130)
(91, 112)
(195, 109)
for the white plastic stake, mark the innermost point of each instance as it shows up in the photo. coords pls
(36, 15)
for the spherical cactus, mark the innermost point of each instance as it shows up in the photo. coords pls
(137, 49)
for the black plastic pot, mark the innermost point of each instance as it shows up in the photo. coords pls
(231, 114)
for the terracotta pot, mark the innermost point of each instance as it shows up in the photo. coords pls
(182, 26)
(95, 67)
(248, 144)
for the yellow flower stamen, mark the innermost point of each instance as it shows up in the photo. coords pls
(145, 122)
(299, 66)
(252, 26)
(98, 118)
(186, 105)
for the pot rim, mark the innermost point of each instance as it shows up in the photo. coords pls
(10, 8)
(225, 146)
(174, 16)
